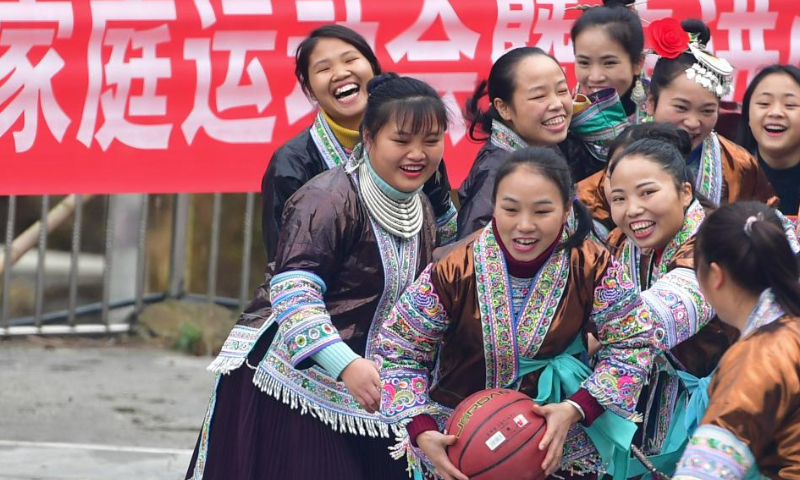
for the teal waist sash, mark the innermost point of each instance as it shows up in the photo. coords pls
(561, 377)
(685, 419)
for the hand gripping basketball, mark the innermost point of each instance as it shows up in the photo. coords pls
(498, 437)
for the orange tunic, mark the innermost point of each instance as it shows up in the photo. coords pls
(752, 422)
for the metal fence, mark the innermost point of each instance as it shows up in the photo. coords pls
(97, 316)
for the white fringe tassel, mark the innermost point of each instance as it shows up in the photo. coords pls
(340, 422)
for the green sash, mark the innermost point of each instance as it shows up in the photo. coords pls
(561, 377)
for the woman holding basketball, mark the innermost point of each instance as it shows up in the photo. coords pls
(751, 427)
(510, 309)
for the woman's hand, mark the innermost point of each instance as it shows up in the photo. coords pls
(434, 445)
(559, 418)
(593, 345)
(363, 381)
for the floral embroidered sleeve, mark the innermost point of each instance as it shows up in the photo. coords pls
(314, 231)
(299, 309)
(677, 308)
(408, 342)
(623, 327)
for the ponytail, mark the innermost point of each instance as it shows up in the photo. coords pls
(770, 249)
(584, 225)
(748, 241)
(477, 117)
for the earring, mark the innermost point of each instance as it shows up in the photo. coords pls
(638, 95)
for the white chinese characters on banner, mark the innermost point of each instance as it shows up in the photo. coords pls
(513, 27)
(460, 39)
(743, 22)
(109, 84)
(232, 93)
(116, 101)
(28, 87)
(552, 24)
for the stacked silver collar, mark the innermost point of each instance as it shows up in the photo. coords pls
(401, 218)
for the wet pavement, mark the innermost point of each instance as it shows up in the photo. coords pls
(92, 410)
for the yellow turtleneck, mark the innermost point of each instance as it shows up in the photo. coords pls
(347, 138)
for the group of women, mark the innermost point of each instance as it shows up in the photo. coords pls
(614, 258)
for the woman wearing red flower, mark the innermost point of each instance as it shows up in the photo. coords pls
(685, 91)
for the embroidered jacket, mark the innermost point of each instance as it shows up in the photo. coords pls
(338, 274)
(687, 329)
(752, 424)
(453, 333)
(727, 174)
(314, 151)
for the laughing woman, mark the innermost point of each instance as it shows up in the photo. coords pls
(770, 129)
(529, 105)
(654, 205)
(333, 65)
(685, 90)
(297, 398)
(608, 45)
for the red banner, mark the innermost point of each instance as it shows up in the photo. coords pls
(112, 96)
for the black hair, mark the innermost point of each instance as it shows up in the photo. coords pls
(622, 25)
(756, 259)
(744, 136)
(549, 164)
(303, 54)
(665, 132)
(501, 84)
(668, 69)
(412, 103)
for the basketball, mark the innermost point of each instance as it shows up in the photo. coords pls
(498, 436)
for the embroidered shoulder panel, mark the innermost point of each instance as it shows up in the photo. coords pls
(691, 224)
(505, 138)
(494, 303)
(715, 453)
(447, 227)
(766, 311)
(709, 176)
(332, 152)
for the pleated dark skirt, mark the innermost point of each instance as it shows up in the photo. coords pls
(253, 436)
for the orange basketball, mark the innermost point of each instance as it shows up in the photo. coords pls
(498, 436)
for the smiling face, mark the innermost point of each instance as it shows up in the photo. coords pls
(601, 62)
(645, 203)
(541, 105)
(528, 213)
(403, 159)
(775, 119)
(687, 105)
(338, 74)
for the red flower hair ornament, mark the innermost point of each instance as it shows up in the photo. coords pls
(668, 38)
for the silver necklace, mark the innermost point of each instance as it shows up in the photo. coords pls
(401, 218)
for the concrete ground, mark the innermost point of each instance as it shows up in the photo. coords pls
(98, 409)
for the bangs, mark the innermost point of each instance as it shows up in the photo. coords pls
(420, 115)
